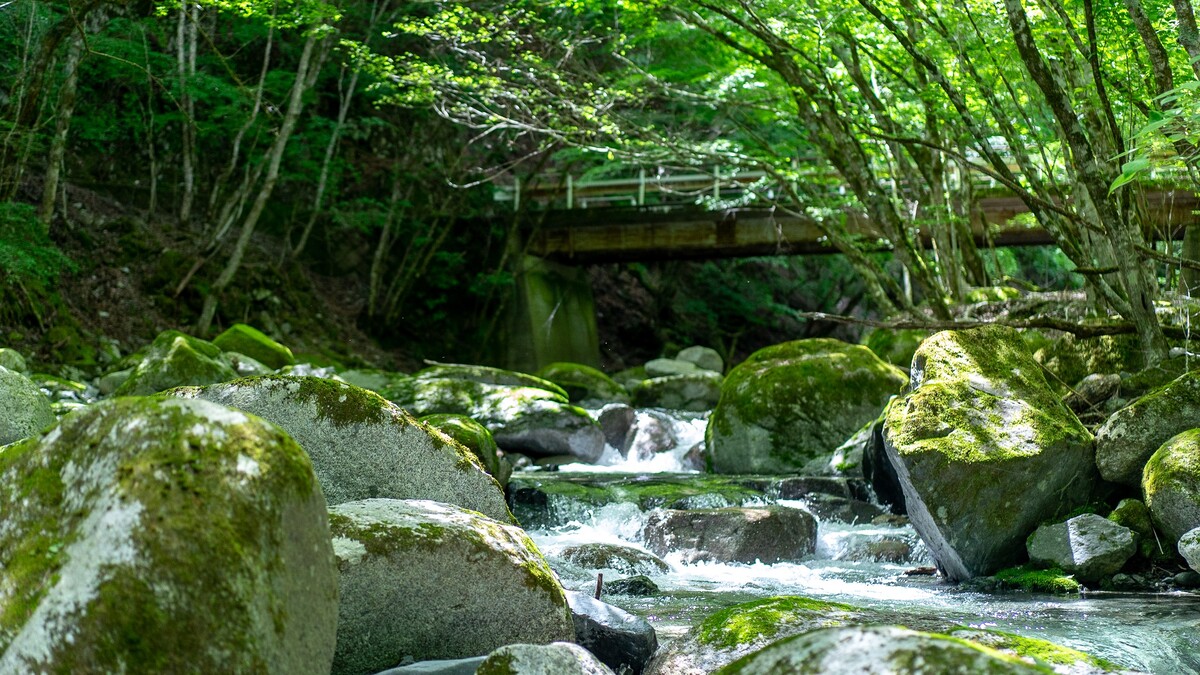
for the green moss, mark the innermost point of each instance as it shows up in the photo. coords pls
(991, 294)
(1026, 578)
(1042, 652)
(761, 620)
(254, 343)
(581, 382)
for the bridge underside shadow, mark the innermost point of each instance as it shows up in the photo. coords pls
(552, 317)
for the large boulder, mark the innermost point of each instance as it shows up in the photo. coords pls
(361, 445)
(1088, 546)
(175, 360)
(529, 420)
(620, 640)
(1171, 485)
(1131, 435)
(475, 437)
(771, 534)
(24, 409)
(877, 649)
(560, 658)
(1189, 547)
(584, 385)
(425, 580)
(252, 342)
(793, 402)
(170, 536)
(984, 450)
(695, 392)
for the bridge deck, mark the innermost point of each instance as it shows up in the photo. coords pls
(615, 235)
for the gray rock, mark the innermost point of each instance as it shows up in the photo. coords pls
(424, 580)
(559, 658)
(1127, 439)
(488, 375)
(640, 586)
(164, 536)
(584, 385)
(694, 392)
(623, 559)
(466, 666)
(770, 535)
(615, 420)
(650, 434)
(361, 445)
(984, 450)
(1189, 548)
(176, 360)
(246, 366)
(620, 640)
(24, 409)
(1092, 391)
(110, 382)
(705, 358)
(474, 437)
(789, 404)
(668, 367)
(1171, 485)
(12, 359)
(1088, 546)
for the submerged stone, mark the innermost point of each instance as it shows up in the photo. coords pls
(176, 360)
(24, 409)
(424, 580)
(793, 402)
(362, 445)
(254, 343)
(145, 535)
(984, 450)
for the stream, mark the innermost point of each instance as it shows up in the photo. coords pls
(579, 504)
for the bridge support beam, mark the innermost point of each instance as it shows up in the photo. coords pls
(552, 317)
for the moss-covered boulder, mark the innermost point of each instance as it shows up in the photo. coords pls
(984, 450)
(254, 343)
(1171, 485)
(791, 403)
(528, 420)
(559, 658)
(425, 580)
(1133, 514)
(1042, 653)
(769, 535)
(362, 445)
(176, 360)
(12, 359)
(24, 409)
(1088, 546)
(585, 385)
(878, 649)
(488, 375)
(694, 392)
(1131, 435)
(475, 437)
(167, 536)
(622, 559)
(895, 345)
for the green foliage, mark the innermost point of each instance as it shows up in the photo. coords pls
(27, 256)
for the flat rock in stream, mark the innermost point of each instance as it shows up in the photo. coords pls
(747, 535)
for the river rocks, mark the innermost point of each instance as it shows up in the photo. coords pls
(640, 586)
(426, 580)
(488, 375)
(528, 420)
(705, 358)
(254, 343)
(476, 438)
(623, 559)
(175, 360)
(669, 367)
(361, 445)
(24, 409)
(877, 649)
(171, 536)
(12, 359)
(1127, 439)
(650, 434)
(615, 420)
(770, 535)
(559, 658)
(695, 392)
(620, 640)
(793, 402)
(584, 385)
(1088, 546)
(984, 450)
(1171, 485)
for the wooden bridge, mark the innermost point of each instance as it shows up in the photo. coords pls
(643, 219)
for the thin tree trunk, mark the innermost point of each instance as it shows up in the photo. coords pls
(184, 39)
(385, 243)
(58, 145)
(304, 79)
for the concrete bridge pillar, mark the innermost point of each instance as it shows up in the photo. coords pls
(552, 317)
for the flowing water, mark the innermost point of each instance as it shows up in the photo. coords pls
(1154, 633)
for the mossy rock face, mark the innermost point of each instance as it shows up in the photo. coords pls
(474, 437)
(488, 375)
(695, 392)
(791, 403)
(770, 535)
(12, 359)
(170, 536)
(877, 649)
(984, 450)
(895, 345)
(1071, 359)
(254, 343)
(559, 658)
(1171, 485)
(1040, 653)
(1035, 580)
(623, 559)
(1131, 435)
(176, 360)
(24, 409)
(361, 445)
(427, 580)
(584, 385)
(529, 420)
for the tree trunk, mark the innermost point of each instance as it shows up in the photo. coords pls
(58, 145)
(185, 52)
